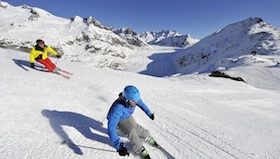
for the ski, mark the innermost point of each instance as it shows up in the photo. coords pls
(163, 151)
(166, 153)
(65, 76)
(69, 73)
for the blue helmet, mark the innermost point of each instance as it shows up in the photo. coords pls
(131, 93)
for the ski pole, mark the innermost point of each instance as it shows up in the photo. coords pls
(56, 60)
(94, 148)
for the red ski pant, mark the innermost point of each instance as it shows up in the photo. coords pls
(47, 63)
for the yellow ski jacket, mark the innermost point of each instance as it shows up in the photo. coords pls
(41, 53)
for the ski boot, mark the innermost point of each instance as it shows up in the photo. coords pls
(144, 153)
(152, 141)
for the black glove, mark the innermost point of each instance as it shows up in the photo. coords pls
(123, 151)
(152, 116)
(32, 65)
(58, 56)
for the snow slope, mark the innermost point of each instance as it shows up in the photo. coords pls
(196, 116)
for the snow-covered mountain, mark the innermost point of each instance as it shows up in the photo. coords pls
(237, 46)
(168, 38)
(250, 42)
(79, 39)
(231, 46)
(130, 36)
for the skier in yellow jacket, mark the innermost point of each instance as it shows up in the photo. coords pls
(40, 52)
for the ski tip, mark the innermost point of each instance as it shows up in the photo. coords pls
(67, 77)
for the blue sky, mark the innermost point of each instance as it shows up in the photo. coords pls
(199, 18)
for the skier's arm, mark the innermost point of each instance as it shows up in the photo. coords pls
(51, 50)
(144, 107)
(113, 119)
(32, 58)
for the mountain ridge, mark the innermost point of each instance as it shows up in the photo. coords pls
(168, 38)
(239, 44)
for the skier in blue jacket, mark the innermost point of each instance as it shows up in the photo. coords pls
(120, 117)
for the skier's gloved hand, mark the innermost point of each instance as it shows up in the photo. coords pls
(32, 65)
(58, 56)
(123, 151)
(152, 116)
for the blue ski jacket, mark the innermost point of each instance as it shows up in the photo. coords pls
(121, 110)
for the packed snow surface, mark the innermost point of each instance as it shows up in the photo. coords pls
(196, 116)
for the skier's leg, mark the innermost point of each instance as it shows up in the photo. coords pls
(48, 64)
(142, 132)
(130, 131)
(43, 62)
(51, 66)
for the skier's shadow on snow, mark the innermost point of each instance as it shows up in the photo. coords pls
(81, 123)
(24, 63)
